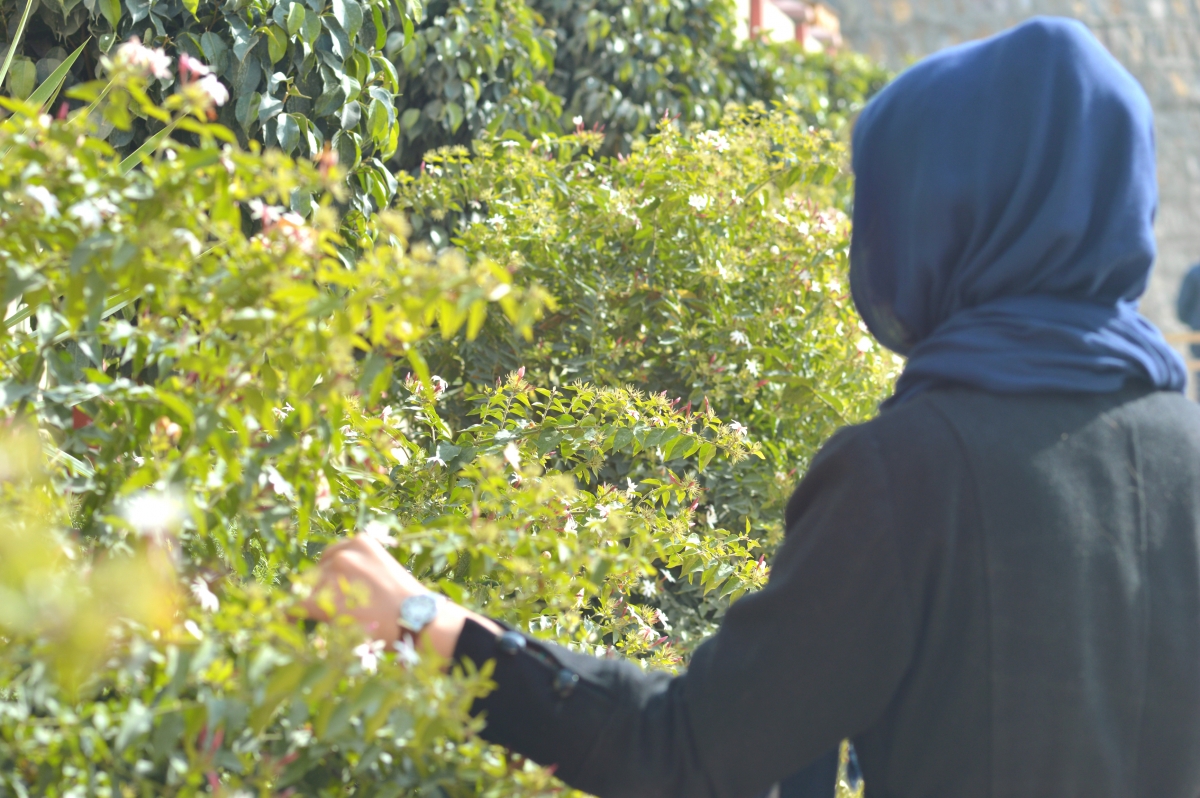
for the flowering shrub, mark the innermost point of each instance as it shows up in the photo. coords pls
(709, 268)
(202, 387)
(382, 83)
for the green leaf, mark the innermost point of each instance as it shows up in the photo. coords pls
(277, 42)
(377, 121)
(22, 77)
(295, 19)
(45, 94)
(288, 133)
(349, 15)
(381, 32)
(190, 5)
(454, 113)
(149, 146)
(311, 27)
(16, 42)
(329, 103)
(350, 115)
(111, 9)
(243, 38)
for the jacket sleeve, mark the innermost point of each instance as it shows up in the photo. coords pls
(812, 658)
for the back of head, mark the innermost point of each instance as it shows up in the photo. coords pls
(1004, 218)
(1020, 165)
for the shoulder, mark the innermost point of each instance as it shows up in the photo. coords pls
(913, 444)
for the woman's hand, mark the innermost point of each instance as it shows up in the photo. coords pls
(359, 579)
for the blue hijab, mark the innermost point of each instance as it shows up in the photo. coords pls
(1003, 218)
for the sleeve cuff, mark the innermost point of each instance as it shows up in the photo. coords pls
(543, 707)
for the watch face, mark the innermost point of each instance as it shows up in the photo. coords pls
(417, 611)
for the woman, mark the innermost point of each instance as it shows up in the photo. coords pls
(993, 588)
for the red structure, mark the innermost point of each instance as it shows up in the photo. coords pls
(814, 25)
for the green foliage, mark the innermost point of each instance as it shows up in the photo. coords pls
(382, 83)
(537, 420)
(622, 67)
(707, 268)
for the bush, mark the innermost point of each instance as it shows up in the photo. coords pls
(204, 390)
(707, 268)
(383, 83)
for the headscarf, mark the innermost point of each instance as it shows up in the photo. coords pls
(1003, 218)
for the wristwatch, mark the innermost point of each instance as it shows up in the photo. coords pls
(417, 612)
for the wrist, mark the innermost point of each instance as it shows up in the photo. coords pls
(443, 632)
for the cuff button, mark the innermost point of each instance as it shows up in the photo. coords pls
(564, 682)
(510, 643)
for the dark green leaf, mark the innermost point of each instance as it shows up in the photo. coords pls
(295, 19)
(288, 133)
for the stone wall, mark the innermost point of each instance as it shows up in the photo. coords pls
(1157, 40)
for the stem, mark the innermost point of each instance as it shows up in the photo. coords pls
(12, 47)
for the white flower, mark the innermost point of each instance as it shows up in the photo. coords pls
(739, 338)
(278, 483)
(647, 588)
(662, 619)
(208, 600)
(139, 461)
(834, 286)
(324, 493)
(42, 196)
(714, 139)
(577, 121)
(570, 526)
(737, 429)
(605, 509)
(268, 214)
(297, 232)
(434, 460)
(512, 455)
(733, 195)
(134, 56)
(865, 345)
(439, 385)
(153, 514)
(379, 531)
(193, 629)
(774, 249)
(509, 144)
(751, 367)
(497, 221)
(699, 201)
(214, 89)
(282, 413)
(190, 67)
(406, 652)
(368, 654)
(189, 239)
(92, 213)
(710, 517)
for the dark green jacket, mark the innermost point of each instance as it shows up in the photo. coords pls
(992, 595)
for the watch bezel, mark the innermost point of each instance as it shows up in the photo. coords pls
(417, 612)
